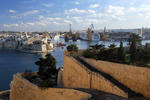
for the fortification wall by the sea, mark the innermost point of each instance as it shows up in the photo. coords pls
(22, 89)
(75, 75)
(136, 78)
(10, 44)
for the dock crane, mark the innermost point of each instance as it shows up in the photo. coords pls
(90, 32)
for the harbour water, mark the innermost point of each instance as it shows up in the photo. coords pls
(12, 61)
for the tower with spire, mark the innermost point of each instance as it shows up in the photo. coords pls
(70, 30)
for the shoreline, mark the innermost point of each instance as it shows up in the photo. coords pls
(4, 91)
(26, 51)
(4, 95)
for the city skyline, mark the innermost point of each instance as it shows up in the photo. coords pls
(55, 15)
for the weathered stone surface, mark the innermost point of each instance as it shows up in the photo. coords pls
(136, 78)
(76, 75)
(10, 44)
(22, 89)
(4, 95)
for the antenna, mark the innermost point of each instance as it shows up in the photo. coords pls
(104, 29)
(70, 29)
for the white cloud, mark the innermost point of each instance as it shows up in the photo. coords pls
(56, 23)
(108, 15)
(68, 21)
(41, 17)
(148, 15)
(132, 9)
(110, 12)
(94, 6)
(10, 25)
(77, 19)
(12, 11)
(116, 10)
(74, 10)
(77, 3)
(49, 18)
(94, 21)
(45, 21)
(142, 10)
(48, 5)
(40, 23)
(54, 19)
(32, 12)
(30, 23)
(92, 11)
(67, 17)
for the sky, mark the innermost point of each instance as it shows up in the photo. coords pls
(56, 15)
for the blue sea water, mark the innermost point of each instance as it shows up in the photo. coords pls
(14, 62)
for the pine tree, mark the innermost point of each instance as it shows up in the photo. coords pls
(135, 43)
(47, 67)
(121, 52)
(133, 49)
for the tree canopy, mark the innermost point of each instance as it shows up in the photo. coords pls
(112, 46)
(47, 67)
(134, 42)
(121, 52)
(135, 37)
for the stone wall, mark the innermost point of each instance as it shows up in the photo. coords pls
(60, 78)
(76, 75)
(136, 78)
(4, 95)
(10, 44)
(22, 89)
(1, 44)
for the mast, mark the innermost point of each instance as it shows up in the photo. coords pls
(70, 31)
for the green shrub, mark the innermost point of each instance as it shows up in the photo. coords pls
(112, 46)
(47, 67)
(29, 75)
(47, 83)
(89, 54)
(121, 52)
(72, 49)
(127, 58)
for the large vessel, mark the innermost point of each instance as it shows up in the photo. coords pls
(90, 35)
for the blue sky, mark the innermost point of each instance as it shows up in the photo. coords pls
(55, 15)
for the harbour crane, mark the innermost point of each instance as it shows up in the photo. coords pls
(90, 32)
(92, 28)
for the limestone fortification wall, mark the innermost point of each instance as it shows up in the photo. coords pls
(22, 89)
(10, 44)
(1, 44)
(76, 75)
(136, 78)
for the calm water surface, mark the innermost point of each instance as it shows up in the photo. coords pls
(12, 61)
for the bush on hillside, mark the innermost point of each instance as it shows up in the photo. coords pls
(72, 49)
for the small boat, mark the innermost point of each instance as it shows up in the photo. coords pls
(60, 44)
